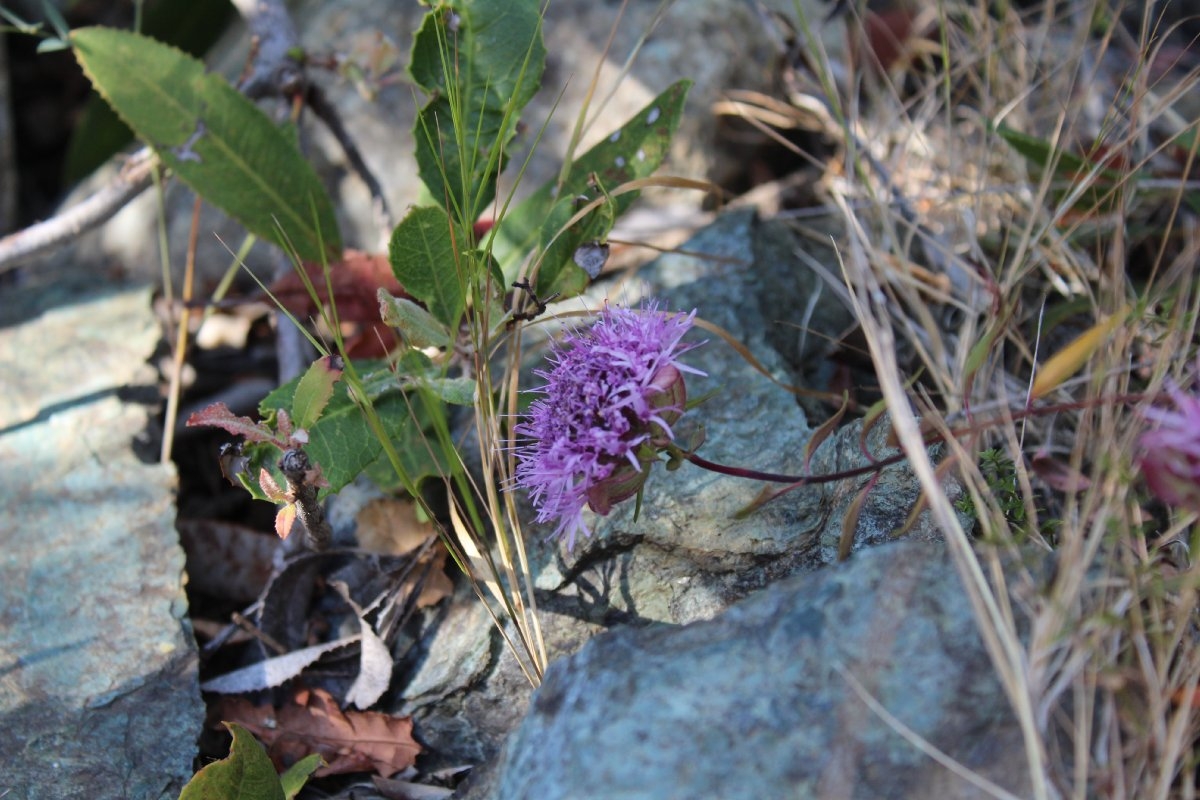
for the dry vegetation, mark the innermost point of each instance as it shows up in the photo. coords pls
(973, 259)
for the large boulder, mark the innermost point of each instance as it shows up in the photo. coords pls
(775, 698)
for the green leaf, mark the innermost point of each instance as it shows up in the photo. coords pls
(419, 457)
(190, 25)
(1067, 168)
(418, 327)
(456, 391)
(247, 774)
(340, 442)
(214, 139)
(297, 775)
(633, 151)
(51, 45)
(493, 51)
(314, 390)
(425, 252)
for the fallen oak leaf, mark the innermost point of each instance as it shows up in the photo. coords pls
(352, 741)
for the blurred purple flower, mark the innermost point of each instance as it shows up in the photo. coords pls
(1169, 453)
(611, 395)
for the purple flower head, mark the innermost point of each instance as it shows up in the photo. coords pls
(612, 393)
(1169, 454)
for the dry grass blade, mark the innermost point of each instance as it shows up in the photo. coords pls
(1079, 241)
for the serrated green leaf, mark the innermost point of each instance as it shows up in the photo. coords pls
(247, 773)
(425, 254)
(297, 775)
(314, 390)
(418, 327)
(190, 25)
(493, 51)
(633, 151)
(214, 139)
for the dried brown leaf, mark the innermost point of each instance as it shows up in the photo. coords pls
(353, 741)
(390, 525)
(227, 560)
(436, 584)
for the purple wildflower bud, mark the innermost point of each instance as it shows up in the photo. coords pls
(1169, 454)
(611, 396)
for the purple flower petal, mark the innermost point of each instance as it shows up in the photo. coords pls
(608, 393)
(1169, 454)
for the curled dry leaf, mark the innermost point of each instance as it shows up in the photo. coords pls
(311, 722)
(375, 663)
(272, 672)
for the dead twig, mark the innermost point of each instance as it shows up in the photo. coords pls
(274, 71)
(62, 228)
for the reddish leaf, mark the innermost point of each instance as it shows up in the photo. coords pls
(355, 280)
(270, 488)
(284, 520)
(218, 415)
(884, 38)
(311, 722)
(375, 340)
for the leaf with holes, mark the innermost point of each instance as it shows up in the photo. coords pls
(633, 151)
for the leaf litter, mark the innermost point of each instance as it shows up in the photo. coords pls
(311, 721)
(329, 629)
